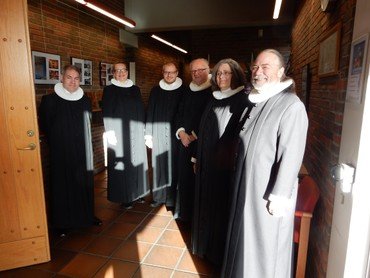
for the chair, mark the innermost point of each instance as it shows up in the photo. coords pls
(308, 194)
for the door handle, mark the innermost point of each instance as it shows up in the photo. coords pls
(30, 147)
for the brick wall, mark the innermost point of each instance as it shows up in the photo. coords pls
(326, 97)
(150, 57)
(70, 30)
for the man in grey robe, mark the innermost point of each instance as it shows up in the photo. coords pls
(272, 143)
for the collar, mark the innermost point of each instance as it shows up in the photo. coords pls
(125, 84)
(257, 96)
(170, 87)
(195, 88)
(227, 93)
(64, 94)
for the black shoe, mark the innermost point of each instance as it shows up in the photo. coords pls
(62, 232)
(127, 205)
(140, 201)
(97, 221)
(154, 204)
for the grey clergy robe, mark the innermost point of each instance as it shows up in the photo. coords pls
(270, 153)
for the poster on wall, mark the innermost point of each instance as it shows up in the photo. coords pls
(106, 73)
(85, 67)
(46, 68)
(357, 69)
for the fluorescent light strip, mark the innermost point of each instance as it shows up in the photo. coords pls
(168, 43)
(277, 9)
(108, 14)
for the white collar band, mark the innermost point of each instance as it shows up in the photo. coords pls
(257, 96)
(195, 88)
(125, 84)
(64, 94)
(170, 87)
(227, 93)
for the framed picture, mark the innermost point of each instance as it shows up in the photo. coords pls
(46, 68)
(85, 67)
(106, 73)
(357, 69)
(305, 85)
(329, 52)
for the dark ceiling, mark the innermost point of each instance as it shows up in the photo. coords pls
(170, 15)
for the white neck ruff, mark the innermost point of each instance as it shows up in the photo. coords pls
(227, 93)
(261, 95)
(64, 94)
(170, 87)
(125, 84)
(195, 88)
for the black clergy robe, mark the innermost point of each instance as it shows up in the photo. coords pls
(160, 124)
(67, 128)
(190, 113)
(123, 113)
(215, 159)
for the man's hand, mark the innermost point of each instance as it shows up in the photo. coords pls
(185, 138)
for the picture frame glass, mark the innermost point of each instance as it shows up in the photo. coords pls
(46, 68)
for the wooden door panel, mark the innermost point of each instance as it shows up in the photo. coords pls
(23, 226)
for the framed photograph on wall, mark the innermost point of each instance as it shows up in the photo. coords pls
(106, 73)
(329, 52)
(85, 67)
(46, 68)
(357, 69)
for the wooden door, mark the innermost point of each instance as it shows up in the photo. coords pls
(23, 227)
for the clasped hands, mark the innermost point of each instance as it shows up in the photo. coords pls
(186, 139)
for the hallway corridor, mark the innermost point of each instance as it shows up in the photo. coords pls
(140, 242)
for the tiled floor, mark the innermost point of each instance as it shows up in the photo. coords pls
(140, 242)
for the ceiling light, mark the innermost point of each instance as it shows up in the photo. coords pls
(168, 43)
(277, 9)
(125, 21)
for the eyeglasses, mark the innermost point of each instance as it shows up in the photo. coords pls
(198, 71)
(169, 72)
(264, 67)
(225, 73)
(120, 70)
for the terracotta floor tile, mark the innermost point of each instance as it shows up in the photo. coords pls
(159, 221)
(172, 238)
(162, 210)
(26, 272)
(101, 201)
(132, 250)
(194, 264)
(179, 225)
(59, 258)
(83, 265)
(76, 241)
(164, 256)
(98, 192)
(146, 234)
(147, 271)
(180, 274)
(103, 246)
(117, 269)
(131, 217)
(121, 230)
(107, 213)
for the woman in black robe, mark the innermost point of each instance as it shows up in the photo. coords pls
(124, 116)
(215, 160)
(65, 120)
